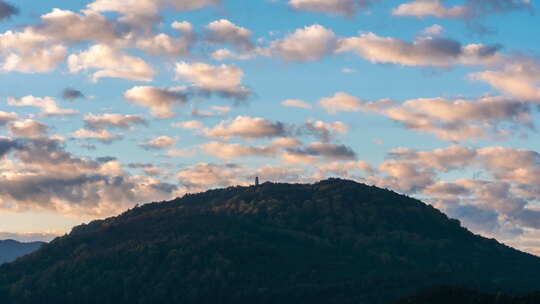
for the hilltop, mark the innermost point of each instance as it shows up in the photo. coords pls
(336, 241)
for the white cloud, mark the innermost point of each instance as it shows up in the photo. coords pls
(341, 102)
(335, 7)
(310, 43)
(424, 51)
(223, 79)
(518, 77)
(224, 31)
(468, 10)
(29, 52)
(110, 62)
(295, 103)
(6, 117)
(205, 175)
(160, 142)
(99, 135)
(192, 124)
(433, 30)
(422, 8)
(453, 120)
(67, 27)
(225, 150)
(145, 12)
(47, 105)
(113, 120)
(247, 127)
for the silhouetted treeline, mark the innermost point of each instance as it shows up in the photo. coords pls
(335, 241)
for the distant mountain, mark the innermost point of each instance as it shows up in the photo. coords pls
(10, 249)
(335, 241)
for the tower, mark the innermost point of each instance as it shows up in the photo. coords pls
(256, 181)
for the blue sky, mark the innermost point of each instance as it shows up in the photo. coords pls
(435, 99)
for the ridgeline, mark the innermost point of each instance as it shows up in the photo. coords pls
(335, 241)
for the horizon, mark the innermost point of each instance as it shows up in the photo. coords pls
(107, 104)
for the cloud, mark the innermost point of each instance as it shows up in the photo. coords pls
(6, 117)
(46, 177)
(452, 120)
(215, 111)
(310, 43)
(247, 127)
(27, 129)
(38, 60)
(163, 44)
(323, 130)
(280, 174)
(518, 77)
(450, 158)
(160, 142)
(341, 102)
(160, 101)
(205, 175)
(225, 32)
(433, 30)
(192, 124)
(447, 189)
(422, 8)
(295, 103)
(112, 63)
(144, 13)
(458, 120)
(225, 80)
(424, 51)
(404, 177)
(47, 105)
(72, 94)
(7, 10)
(477, 219)
(346, 8)
(226, 151)
(113, 121)
(512, 165)
(314, 151)
(67, 27)
(101, 135)
(226, 54)
(468, 10)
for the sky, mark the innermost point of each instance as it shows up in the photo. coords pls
(107, 104)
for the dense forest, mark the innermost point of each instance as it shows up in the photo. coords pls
(335, 241)
(462, 295)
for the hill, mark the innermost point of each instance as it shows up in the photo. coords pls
(335, 241)
(10, 249)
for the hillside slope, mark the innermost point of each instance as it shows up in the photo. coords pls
(335, 241)
(10, 249)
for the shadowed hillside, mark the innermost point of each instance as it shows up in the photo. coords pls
(453, 295)
(335, 241)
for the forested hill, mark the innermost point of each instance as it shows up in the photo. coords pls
(10, 249)
(335, 241)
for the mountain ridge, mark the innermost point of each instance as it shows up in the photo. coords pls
(12, 249)
(335, 241)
